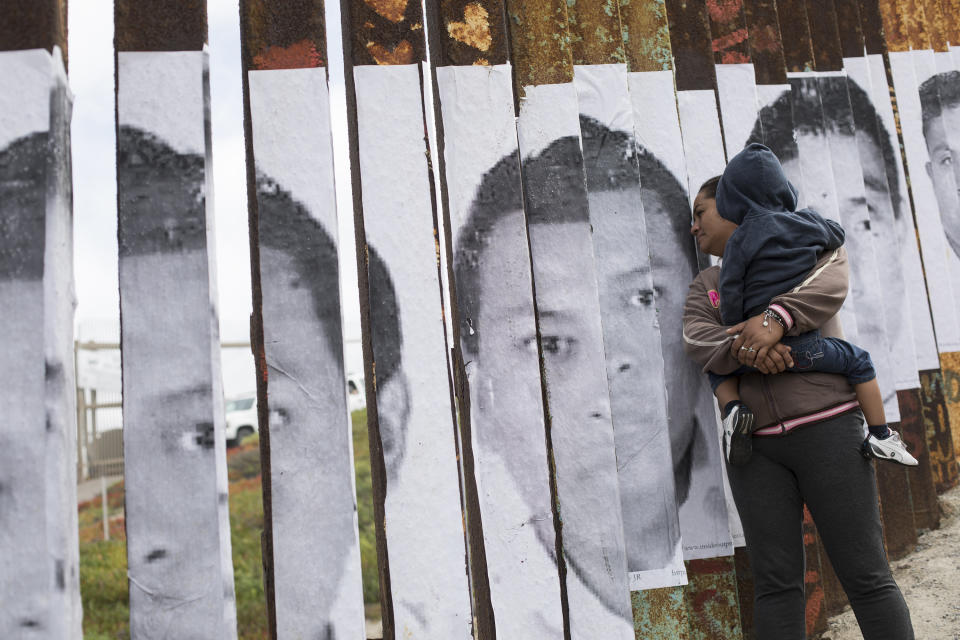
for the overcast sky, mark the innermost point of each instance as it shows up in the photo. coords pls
(94, 182)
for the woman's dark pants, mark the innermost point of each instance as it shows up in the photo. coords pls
(820, 465)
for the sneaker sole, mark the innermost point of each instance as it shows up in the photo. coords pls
(741, 442)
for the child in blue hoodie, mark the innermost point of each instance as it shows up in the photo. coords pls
(770, 248)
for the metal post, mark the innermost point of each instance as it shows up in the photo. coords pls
(104, 507)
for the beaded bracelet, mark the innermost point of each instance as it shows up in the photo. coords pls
(770, 313)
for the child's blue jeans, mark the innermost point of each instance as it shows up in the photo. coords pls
(812, 352)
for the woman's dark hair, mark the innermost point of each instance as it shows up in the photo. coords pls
(709, 188)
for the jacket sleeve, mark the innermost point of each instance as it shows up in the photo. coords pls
(817, 299)
(704, 336)
(832, 234)
(730, 287)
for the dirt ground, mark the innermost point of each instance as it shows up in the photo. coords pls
(929, 578)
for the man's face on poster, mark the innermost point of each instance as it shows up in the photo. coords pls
(505, 401)
(944, 169)
(884, 224)
(629, 297)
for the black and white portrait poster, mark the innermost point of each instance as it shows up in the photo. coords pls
(39, 563)
(631, 332)
(428, 570)
(571, 338)
(737, 97)
(694, 437)
(316, 554)
(498, 338)
(918, 312)
(909, 70)
(882, 181)
(823, 119)
(178, 538)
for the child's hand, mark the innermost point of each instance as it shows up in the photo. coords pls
(754, 340)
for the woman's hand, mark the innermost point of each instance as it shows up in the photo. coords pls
(753, 341)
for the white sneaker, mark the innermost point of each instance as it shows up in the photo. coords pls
(890, 448)
(737, 430)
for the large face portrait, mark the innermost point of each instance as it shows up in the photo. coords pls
(493, 290)
(940, 104)
(168, 325)
(819, 111)
(635, 364)
(308, 417)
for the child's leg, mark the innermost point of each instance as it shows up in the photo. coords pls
(727, 391)
(871, 403)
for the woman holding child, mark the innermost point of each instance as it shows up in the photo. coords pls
(796, 438)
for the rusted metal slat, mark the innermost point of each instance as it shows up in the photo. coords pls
(39, 555)
(308, 552)
(398, 230)
(548, 132)
(174, 458)
(692, 45)
(936, 415)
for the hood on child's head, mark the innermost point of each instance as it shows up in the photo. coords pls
(754, 181)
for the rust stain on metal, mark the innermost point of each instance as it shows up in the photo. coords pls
(299, 55)
(950, 9)
(540, 43)
(915, 22)
(798, 48)
(401, 54)
(711, 597)
(471, 32)
(894, 28)
(160, 25)
(33, 24)
(871, 24)
(923, 494)
(660, 613)
(825, 36)
(646, 35)
(595, 33)
(728, 26)
(814, 612)
(284, 35)
(935, 24)
(474, 31)
(848, 23)
(392, 10)
(690, 41)
(745, 590)
(380, 33)
(766, 48)
(950, 368)
(936, 420)
(899, 528)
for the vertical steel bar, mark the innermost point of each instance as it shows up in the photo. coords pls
(311, 549)
(39, 557)
(178, 535)
(580, 433)
(400, 224)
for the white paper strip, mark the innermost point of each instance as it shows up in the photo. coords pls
(427, 565)
(495, 302)
(39, 558)
(698, 476)
(925, 345)
(877, 176)
(932, 241)
(572, 338)
(630, 330)
(737, 93)
(316, 554)
(177, 536)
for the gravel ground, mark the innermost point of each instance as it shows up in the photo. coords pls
(929, 578)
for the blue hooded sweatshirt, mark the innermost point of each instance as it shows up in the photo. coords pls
(775, 246)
